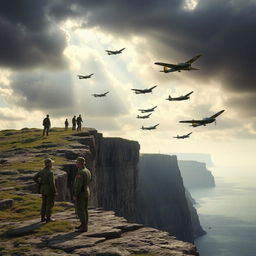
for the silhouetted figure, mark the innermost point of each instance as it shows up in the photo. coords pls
(47, 125)
(79, 123)
(74, 123)
(66, 124)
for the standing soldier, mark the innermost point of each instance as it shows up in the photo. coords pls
(66, 124)
(47, 125)
(46, 181)
(79, 123)
(74, 123)
(82, 193)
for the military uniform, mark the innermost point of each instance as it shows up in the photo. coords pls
(47, 125)
(66, 124)
(74, 123)
(82, 193)
(45, 178)
(79, 123)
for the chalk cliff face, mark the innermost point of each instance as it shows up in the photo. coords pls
(195, 174)
(161, 201)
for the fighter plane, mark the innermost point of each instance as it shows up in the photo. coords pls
(85, 77)
(147, 110)
(149, 127)
(146, 116)
(183, 136)
(183, 97)
(114, 52)
(204, 121)
(143, 91)
(178, 67)
(100, 95)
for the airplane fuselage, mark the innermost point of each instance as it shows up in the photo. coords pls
(147, 110)
(178, 98)
(180, 66)
(143, 117)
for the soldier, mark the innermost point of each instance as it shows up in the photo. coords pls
(47, 125)
(82, 193)
(66, 124)
(79, 123)
(74, 123)
(46, 181)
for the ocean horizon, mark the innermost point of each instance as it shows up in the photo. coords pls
(227, 213)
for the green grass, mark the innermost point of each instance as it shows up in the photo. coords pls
(25, 138)
(25, 207)
(36, 163)
(21, 251)
(53, 227)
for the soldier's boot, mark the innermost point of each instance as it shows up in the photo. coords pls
(43, 219)
(49, 219)
(83, 228)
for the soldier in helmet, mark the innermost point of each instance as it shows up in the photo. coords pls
(47, 125)
(74, 123)
(82, 193)
(45, 178)
(79, 121)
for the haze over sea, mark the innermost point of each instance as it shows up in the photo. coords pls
(228, 213)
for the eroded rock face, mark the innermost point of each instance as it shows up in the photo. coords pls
(195, 174)
(116, 176)
(161, 201)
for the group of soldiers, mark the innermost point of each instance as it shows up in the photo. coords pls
(81, 192)
(76, 124)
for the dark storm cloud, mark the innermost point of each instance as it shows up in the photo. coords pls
(50, 92)
(28, 37)
(223, 31)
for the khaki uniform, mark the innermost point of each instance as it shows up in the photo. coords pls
(45, 178)
(82, 193)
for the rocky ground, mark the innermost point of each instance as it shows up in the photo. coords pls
(21, 156)
(107, 235)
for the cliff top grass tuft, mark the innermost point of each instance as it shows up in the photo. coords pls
(28, 138)
(25, 207)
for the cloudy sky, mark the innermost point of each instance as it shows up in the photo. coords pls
(45, 44)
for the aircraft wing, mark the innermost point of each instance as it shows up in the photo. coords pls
(188, 94)
(217, 114)
(193, 59)
(167, 65)
(137, 90)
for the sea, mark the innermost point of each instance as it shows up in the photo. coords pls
(227, 213)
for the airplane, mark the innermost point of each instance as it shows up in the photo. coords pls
(146, 116)
(204, 121)
(143, 91)
(183, 136)
(149, 127)
(114, 52)
(147, 110)
(183, 97)
(100, 95)
(178, 67)
(85, 77)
